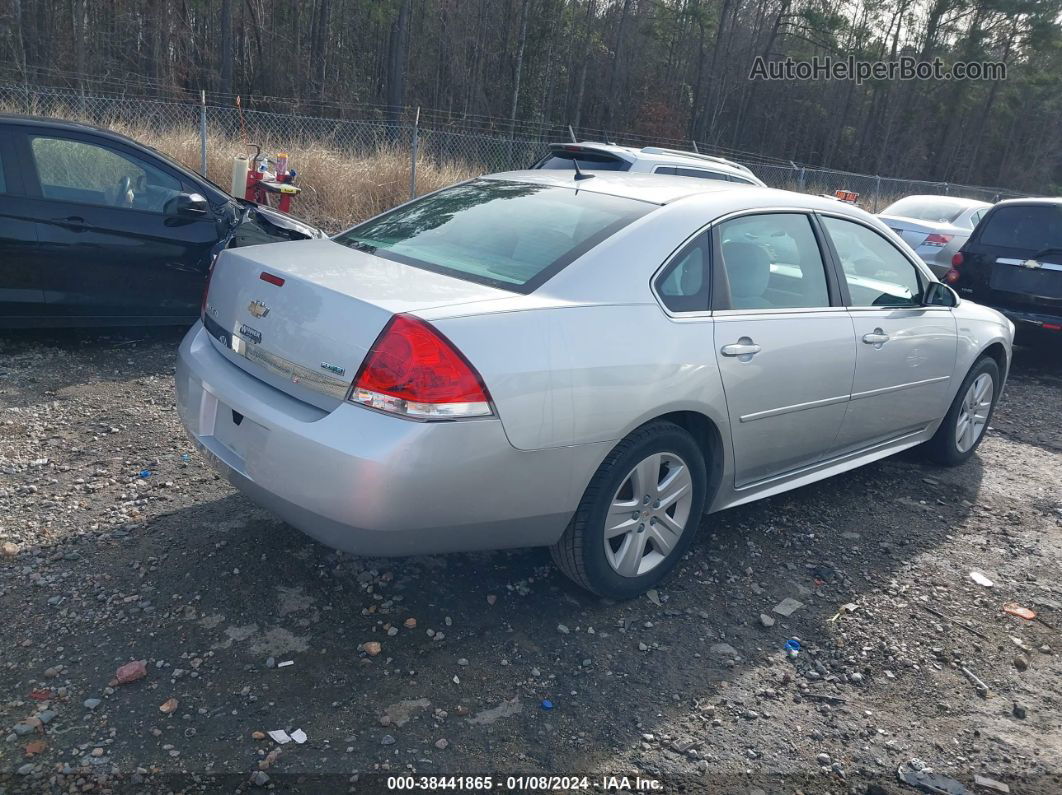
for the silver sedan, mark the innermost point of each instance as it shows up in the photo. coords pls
(585, 362)
(934, 226)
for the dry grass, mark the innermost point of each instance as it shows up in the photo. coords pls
(338, 188)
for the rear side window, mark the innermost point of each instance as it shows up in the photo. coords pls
(590, 161)
(699, 173)
(684, 286)
(772, 261)
(513, 235)
(1033, 227)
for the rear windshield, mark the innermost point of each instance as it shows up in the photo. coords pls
(939, 211)
(1033, 227)
(513, 235)
(589, 161)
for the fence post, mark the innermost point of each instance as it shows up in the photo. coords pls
(877, 191)
(202, 133)
(413, 156)
(803, 174)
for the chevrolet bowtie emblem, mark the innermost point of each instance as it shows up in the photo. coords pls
(1030, 263)
(258, 309)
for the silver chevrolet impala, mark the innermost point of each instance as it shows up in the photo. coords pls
(589, 362)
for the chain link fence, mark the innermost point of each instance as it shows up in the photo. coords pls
(481, 143)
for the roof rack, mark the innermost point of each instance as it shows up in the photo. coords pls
(657, 150)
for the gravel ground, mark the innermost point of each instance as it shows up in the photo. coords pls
(446, 665)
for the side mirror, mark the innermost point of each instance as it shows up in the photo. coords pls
(939, 294)
(188, 205)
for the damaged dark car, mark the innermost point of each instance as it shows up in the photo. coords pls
(99, 230)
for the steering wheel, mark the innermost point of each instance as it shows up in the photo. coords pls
(124, 196)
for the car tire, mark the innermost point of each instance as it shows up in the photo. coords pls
(951, 445)
(647, 555)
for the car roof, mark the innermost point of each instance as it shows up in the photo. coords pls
(961, 201)
(62, 124)
(665, 189)
(657, 154)
(1031, 200)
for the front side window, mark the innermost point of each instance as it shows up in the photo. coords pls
(877, 273)
(772, 261)
(76, 171)
(513, 235)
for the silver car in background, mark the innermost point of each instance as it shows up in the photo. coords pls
(589, 364)
(594, 156)
(934, 226)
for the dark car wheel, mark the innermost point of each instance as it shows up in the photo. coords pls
(965, 424)
(639, 514)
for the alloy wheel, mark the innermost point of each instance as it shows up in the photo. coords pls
(648, 514)
(973, 413)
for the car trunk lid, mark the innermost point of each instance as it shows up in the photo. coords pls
(914, 232)
(302, 315)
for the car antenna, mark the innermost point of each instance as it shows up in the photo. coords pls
(579, 173)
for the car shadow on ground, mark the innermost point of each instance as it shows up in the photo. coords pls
(216, 596)
(222, 591)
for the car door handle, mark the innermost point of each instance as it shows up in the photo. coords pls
(876, 337)
(743, 347)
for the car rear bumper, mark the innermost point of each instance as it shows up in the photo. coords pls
(1024, 319)
(373, 484)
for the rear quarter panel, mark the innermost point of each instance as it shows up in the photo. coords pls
(585, 374)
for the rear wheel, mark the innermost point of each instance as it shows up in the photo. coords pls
(639, 514)
(967, 420)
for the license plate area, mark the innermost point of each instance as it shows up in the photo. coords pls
(1033, 282)
(238, 433)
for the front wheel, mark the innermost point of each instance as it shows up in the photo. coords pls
(639, 514)
(967, 420)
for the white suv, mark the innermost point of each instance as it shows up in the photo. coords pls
(592, 156)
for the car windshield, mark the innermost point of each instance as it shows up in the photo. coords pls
(938, 211)
(1032, 227)
(513, 235)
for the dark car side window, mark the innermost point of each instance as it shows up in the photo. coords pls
(699, 173)
(86, 173)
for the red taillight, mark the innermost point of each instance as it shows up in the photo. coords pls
(951, 276)
(937, 240)
(1052, 326)
(413, 370)
(269, 277)
(956, 259)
